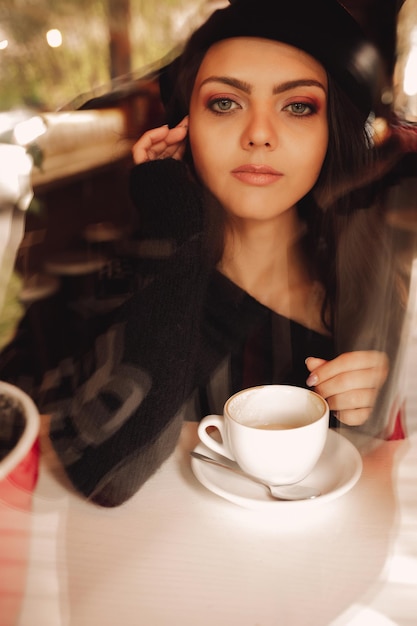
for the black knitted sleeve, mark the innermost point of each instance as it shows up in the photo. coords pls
(116, 414)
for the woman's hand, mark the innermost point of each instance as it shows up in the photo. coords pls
(161, 143)
(350, 383)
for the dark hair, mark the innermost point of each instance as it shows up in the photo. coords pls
(347, 239)
(349, 152)
(328, 209)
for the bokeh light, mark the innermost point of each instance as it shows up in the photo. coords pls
(54, 38)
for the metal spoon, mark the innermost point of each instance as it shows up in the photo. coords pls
(280, 492)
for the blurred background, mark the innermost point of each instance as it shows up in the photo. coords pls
(55, 53)
(78, 86)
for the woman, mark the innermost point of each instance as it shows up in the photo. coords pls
(264, 288)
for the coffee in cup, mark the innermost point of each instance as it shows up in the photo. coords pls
(274, 432)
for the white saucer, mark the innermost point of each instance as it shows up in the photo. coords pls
(336, 472)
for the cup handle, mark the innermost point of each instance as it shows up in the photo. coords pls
(218, 422)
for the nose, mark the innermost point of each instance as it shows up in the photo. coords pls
(259, 131)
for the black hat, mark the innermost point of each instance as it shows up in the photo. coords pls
(322, 28)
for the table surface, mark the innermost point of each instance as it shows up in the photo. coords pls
(179, 555)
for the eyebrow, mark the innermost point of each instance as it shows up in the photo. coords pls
(277, 89)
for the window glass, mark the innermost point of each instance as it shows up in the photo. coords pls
(53, 51)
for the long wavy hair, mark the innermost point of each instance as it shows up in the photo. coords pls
(348, 242)
(347, 238)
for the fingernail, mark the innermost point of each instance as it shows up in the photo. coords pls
(312, 380)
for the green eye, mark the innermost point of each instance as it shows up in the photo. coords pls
(300, 108)
(222, 105)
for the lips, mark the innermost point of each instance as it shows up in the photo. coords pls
(259, 175)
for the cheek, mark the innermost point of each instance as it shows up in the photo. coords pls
(316, 153)
(323, 143)
(306, 164)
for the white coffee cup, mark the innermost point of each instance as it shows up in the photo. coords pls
(274, 432)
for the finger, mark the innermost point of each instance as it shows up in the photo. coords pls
(184, 122)
(354, 417)
(372, 378)
(176, 135)
(348, 362)
(150, 152)
(354, 399)
(162, 149)
(174, 143)
(313, 363)
(353, 408)
(144, 144)
(178, 152)
(160, 143)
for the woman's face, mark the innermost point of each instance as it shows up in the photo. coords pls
(258, 125)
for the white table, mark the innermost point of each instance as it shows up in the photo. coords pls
(178, 555)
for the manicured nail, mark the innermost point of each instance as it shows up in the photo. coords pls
(312, 380)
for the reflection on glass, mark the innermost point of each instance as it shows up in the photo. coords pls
(52, 52)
